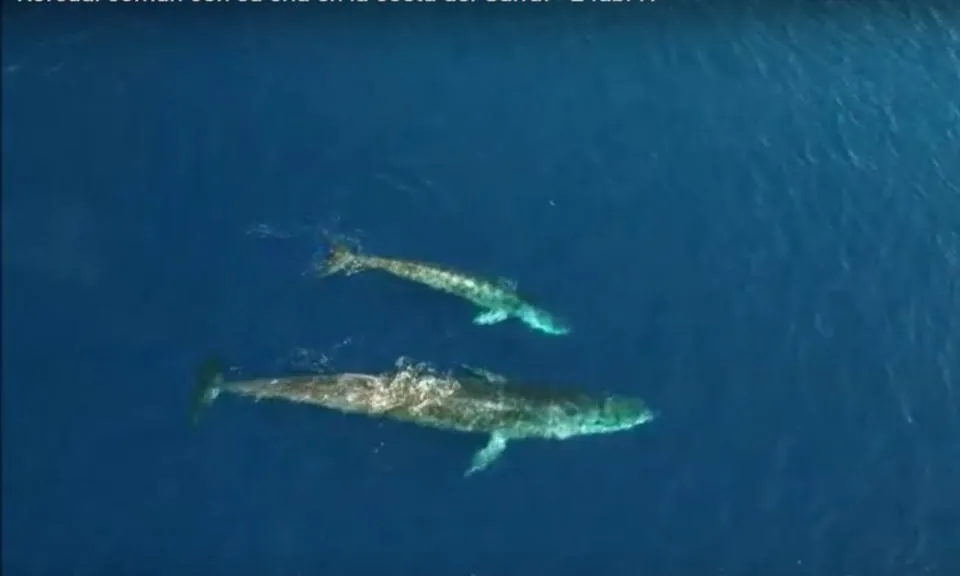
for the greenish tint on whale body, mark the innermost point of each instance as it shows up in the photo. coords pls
(476, 402)
(498, 299)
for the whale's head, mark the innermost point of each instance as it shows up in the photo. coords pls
(616, 413)
(621, 413)
(543, 321)
(598, 416)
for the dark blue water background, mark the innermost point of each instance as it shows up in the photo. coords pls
(751, 217)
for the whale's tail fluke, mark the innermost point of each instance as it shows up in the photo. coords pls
(207, 383)
(340, 259)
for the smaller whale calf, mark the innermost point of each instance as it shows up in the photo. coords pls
(497, 299)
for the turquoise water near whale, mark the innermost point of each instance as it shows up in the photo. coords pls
(751, 217)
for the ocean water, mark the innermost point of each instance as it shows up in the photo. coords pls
(751, 216)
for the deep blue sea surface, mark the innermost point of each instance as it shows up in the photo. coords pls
(750, 216)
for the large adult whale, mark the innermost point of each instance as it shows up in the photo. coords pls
(476, 401)
(498, 299)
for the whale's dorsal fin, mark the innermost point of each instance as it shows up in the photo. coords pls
(487, 375)
(489, 317)
(488, 454)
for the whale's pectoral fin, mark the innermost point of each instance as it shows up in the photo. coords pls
(488, 454)
(490, 317)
